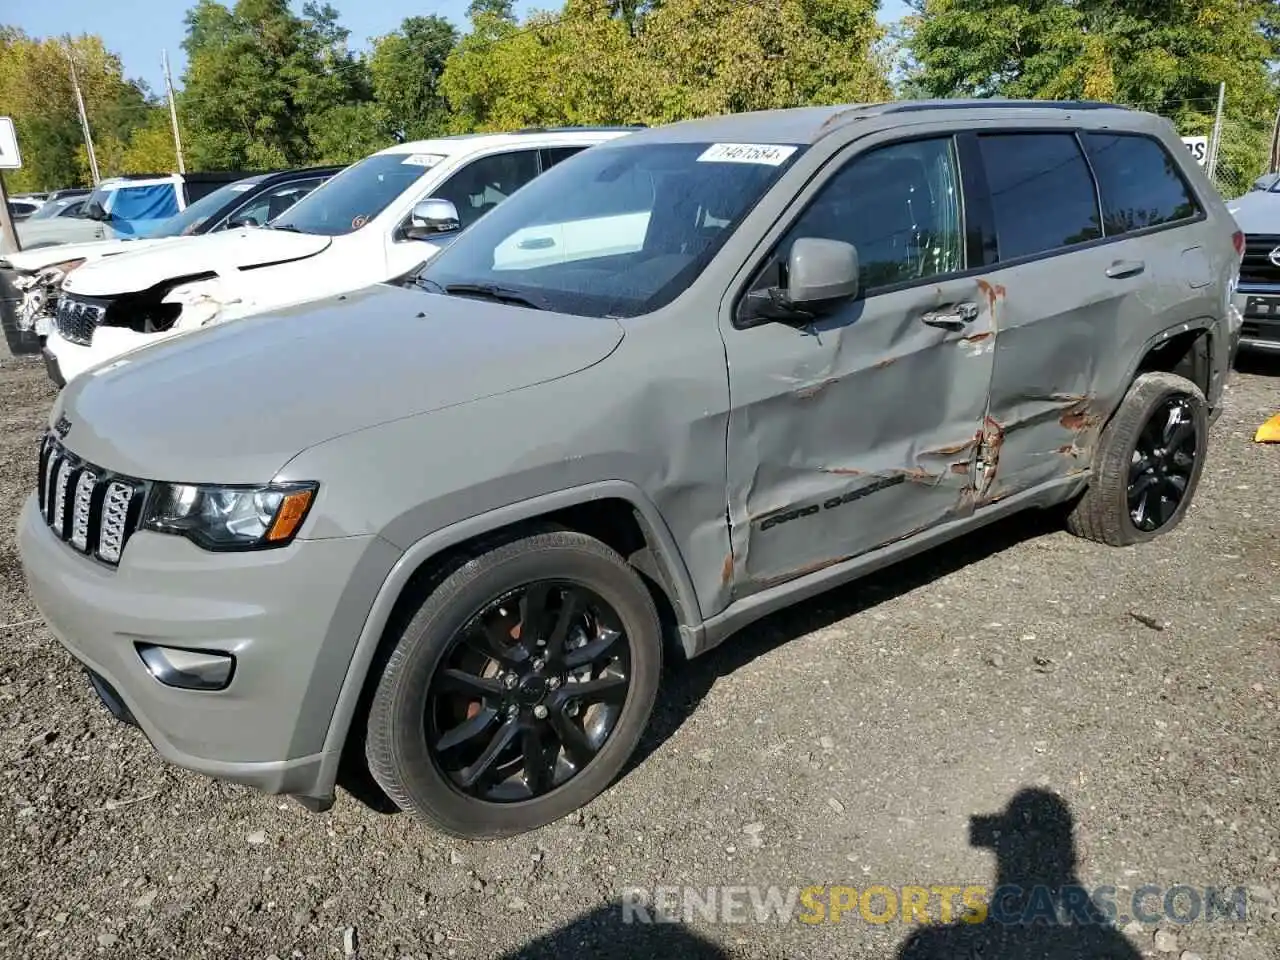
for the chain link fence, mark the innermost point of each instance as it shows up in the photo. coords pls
(1244, 144)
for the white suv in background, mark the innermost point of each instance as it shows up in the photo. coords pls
(366, 225)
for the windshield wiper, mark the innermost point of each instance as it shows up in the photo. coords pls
(429, 285)
(288, 228)
(490, 291)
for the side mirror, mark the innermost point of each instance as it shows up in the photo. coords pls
(820, 271)
(94, 211)
(432, 217)
(236, 222)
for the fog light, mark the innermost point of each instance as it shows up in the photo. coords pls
(188, 669)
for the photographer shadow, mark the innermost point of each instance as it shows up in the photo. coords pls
(1038, 909)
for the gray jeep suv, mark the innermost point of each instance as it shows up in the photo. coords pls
(682, 380)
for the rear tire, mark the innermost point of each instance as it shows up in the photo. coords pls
(519, 689)
(1147, 464)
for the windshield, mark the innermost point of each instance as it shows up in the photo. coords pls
(356, 195)
(194, 217)
(615, 231)
(52, 208)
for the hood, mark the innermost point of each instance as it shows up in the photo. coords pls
(233, 403)
(58, 230)
(223, 253)
(42, 257)
(1256, 212)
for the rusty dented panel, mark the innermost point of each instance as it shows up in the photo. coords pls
(847, 435)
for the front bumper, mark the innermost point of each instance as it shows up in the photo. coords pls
(1260, 308)
(274, 610)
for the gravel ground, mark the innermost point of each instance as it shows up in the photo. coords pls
(847, 741)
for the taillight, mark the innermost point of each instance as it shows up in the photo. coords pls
(1237, 240)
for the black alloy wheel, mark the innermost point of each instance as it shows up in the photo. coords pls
(528, 692)
(1164, 459)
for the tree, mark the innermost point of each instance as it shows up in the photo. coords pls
(36, 90)
(260, 82)
(604, 61)
(1164, 55)
(406, 68)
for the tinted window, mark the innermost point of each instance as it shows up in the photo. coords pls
(481, 185)
(899, 205)
(1139, 182)
(1042, 195)
(553, 155)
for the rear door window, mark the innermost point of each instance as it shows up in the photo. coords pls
(1140, 183)
(483, 184)
(1042, 194)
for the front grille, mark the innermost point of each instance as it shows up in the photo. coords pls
(78, 317)
(1260, 331)
(90, 508)
(1258, 266)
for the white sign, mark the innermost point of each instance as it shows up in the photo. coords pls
(769, 154)
(1199, 147)
(10, 159)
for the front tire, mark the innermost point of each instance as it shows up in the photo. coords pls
(1147, 465)
(519, 689)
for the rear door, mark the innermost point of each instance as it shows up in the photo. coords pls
(1076, 293)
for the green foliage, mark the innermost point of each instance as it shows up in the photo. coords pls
(613, 61)
(261, 80)
(36, 90)
(406, 68)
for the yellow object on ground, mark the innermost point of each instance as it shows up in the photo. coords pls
(1269, 432)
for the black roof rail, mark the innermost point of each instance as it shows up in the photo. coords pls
(982, 102)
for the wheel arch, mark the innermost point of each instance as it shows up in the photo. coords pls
(616, 511)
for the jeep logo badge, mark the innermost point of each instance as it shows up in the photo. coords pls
(1274, 257)
(63, 426)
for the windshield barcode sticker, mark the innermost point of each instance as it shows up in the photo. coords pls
(770, 154)
(422, 159)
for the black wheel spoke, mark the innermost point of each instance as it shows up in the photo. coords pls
(479, 636)
(1175, 486)
(469, 729)
(1164, 510)
(1183, 461)
(502, 739)
(592, 651)
(452, 680)
(576, 745)
(606, 688)
(534, 613)
(539, 760)
(1142, 485)
(569, 608)
(1143, 464)
(1181, 434)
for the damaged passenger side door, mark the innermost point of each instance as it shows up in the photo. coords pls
(857, 425)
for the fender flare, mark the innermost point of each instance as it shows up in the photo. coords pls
(662, 558)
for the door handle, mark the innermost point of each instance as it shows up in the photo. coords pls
(536, 243)
(1125, 268)
(954, 317)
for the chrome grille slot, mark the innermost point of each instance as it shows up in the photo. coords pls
(1257, 265)
(90, 508)
(80, 509)
(115, 521)
(77, 318)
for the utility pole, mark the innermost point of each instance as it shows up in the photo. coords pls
(173, 110)
(1274, 165)
(84, 117)
(1216, 139)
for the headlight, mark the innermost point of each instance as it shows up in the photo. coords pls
(229, 518)
(50, 276)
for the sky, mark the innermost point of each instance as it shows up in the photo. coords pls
(138, 30)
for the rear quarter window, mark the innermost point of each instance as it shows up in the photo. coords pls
(1140, 183)
(1042, 195)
